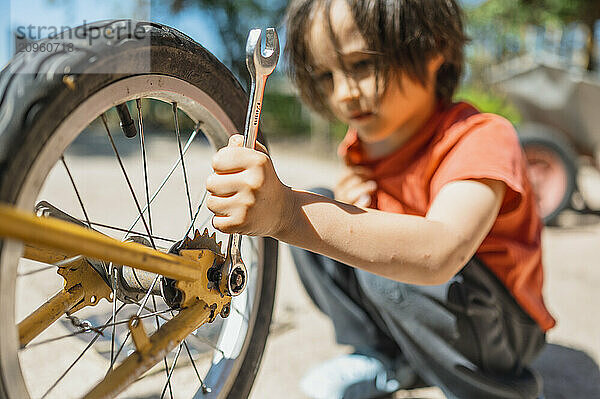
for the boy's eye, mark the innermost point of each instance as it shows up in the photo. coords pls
(324, 78)
(361, 66)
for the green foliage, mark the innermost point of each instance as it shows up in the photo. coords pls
(515, 13)
(503, 18)
(338, 130)
(488, 101)
(283, 116)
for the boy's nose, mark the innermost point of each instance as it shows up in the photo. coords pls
(345, 88)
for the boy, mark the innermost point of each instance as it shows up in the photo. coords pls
(428, 260)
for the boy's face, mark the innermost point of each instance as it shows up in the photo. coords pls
(402, 105)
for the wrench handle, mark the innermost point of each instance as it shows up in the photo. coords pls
(257, 91)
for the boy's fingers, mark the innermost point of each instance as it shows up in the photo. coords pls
(349, 182)
(237, 140)
(352, 172)
(223, 185)
(358, 193)
(234, 159)
(363, 201)
(346, 191)
(226, 224)
(218, 205)
(346, 175)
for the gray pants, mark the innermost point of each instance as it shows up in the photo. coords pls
(468, 336)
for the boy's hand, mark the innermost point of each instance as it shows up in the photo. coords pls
(354, 187)
(246, 195)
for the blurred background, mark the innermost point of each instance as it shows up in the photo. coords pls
(536, 62)
(533, 61)
(563, 33)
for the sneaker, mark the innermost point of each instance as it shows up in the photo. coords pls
(356, 376)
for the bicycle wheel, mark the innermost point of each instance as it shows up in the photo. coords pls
(552, 169)
(51, 105)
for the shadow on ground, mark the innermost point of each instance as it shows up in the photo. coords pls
(568, 373)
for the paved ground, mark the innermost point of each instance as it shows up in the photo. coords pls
(301, 337)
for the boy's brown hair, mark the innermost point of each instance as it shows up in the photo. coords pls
(404, 33)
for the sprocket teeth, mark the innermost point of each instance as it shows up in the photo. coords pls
(202, 241)
(186, 240)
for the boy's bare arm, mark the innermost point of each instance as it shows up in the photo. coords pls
(412, 249)
(247, 197)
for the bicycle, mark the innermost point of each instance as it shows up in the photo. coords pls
(82, 90)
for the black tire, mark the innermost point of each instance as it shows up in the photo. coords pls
(546, 138)
(39, 90)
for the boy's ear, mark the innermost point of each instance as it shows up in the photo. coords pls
(434, 64)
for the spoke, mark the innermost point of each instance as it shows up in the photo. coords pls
(112, 362)
(138, 104)
(171, 171)
(68, 261)
(94, 329)
(62, 158)
(141, 307)
(196, 215)
(106, 226)
(208, 343)
(52, 266)
(137, 204)
(147, 295)
(204, 388)
(36, 271)
(196, 337)
(185, 179)
(113, 275)
(206, 220)
(170, 372)
(164, 358)
(89, 345)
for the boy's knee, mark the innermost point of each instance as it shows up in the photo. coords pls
(383, 291)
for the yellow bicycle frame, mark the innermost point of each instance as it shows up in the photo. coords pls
(51, 240)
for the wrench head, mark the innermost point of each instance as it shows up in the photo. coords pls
(258, 61)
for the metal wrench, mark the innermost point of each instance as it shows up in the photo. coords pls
(260, 65)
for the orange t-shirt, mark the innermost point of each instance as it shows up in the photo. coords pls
(459, 143)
